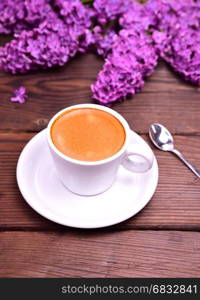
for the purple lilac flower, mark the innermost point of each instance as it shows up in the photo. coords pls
(18, 15)
(20, 95)
(183, 53)
(45, 46)
(52, 43)
(178, 35)
(138, 18)
(104, 39)
(133, 59)
(109, 10)
(107, 15)
(78, 19)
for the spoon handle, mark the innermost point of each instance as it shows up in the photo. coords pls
(188, 164)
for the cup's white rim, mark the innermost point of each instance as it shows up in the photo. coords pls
(90, 163)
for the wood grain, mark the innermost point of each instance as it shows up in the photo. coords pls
(100, 254)
(165, 97)
(175, 204)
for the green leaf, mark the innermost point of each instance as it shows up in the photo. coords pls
(87, 1)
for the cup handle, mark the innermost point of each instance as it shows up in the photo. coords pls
(136, 162)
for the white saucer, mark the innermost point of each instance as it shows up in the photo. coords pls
(43, 191)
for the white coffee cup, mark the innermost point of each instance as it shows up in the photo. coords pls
(94, 177)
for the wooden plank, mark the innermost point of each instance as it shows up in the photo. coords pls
(175, 204)
(100, 254)
(165, 97)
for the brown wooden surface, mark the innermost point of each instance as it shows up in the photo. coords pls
(129, 253)
(162, 240)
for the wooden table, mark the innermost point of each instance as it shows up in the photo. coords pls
(163, 240)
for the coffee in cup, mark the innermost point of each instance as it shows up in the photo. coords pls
(87, 134)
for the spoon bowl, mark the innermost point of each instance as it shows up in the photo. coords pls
(161, 137)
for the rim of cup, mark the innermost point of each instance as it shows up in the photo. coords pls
(82, 162)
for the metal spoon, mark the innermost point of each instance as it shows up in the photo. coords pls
(163, 140)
